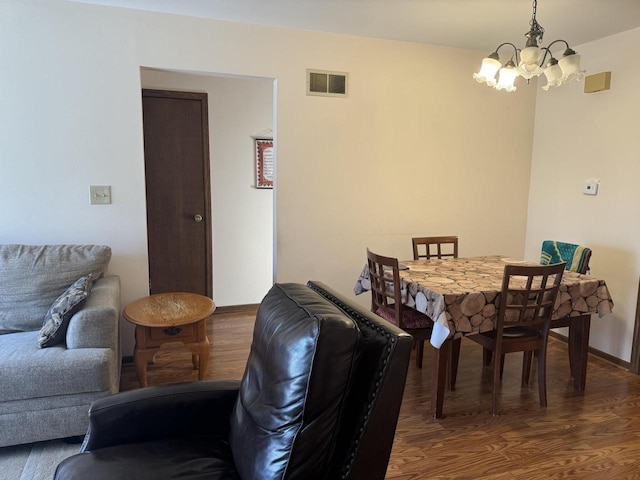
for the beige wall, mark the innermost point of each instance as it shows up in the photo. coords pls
(441, 154)
(579, 137)
(419, 148)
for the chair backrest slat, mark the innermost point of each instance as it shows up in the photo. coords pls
(450, 241)
(386, 288)
(528, 295)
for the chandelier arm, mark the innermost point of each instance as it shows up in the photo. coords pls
(548, 48)
(544, 57)
(515, 49)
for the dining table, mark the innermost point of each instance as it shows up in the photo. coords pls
(461, 297)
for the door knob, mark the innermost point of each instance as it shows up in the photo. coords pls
(197, 217)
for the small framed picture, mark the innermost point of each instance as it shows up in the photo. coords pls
(264, 162)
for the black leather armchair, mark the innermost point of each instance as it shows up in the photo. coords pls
(319, 399)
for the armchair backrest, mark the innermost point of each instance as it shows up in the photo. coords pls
(309, 400)
(33, 276)
(367, 430)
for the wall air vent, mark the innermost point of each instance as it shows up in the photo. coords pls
(327, 84)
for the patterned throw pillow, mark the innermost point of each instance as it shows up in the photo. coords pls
(57, 318)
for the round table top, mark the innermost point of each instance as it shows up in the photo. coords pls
(169, 309)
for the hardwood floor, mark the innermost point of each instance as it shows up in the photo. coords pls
(586, 437)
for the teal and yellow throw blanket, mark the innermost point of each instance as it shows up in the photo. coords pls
(557, 252)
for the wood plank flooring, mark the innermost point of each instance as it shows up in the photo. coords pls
(585, 437)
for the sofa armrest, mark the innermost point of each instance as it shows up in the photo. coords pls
(186, 409)
(95, 325)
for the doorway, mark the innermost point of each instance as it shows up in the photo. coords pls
(635, 349)
(176, 152)
(242, 216)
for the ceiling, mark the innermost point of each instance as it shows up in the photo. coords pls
(474, 24)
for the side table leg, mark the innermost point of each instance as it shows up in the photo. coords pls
(195, 361)
(141, 358)
(203, 358)
(200, 352)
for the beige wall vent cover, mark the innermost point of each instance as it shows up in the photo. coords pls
(598, 82)
(327, 84)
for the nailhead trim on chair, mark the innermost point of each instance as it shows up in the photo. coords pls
(360, 318)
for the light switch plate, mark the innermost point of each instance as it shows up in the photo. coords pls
(100, 194)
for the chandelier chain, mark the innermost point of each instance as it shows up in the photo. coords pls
(537, 31)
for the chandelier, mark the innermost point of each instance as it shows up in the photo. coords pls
(530, 62)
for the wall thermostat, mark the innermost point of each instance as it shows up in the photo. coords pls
(590, 187)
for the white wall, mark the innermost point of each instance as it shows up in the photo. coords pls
(582, 136)
(441, 154)
(242, 215)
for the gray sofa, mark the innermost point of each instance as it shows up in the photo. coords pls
(45, 392)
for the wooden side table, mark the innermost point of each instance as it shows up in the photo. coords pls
(170, 317)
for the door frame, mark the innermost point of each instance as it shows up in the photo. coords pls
(635, 348)
(203, 99)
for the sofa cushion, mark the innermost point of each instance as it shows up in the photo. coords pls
(33, 276)
(57, 318)
(29, 372)
(293, 391)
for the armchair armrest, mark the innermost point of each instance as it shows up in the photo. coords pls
(95, 324)
(187, 409)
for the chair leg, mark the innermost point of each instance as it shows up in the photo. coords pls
(526, 368)
(453, 362)
(542, 376)
(486, 355)
(497, 377)
(419, 352)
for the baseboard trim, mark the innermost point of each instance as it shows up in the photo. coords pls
(248, 308)
(128, 359)
(594, 351)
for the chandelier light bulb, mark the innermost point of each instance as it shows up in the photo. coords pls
(507, 78)
(570, 66)
(530, 59)
(553, 73)
(488, 70)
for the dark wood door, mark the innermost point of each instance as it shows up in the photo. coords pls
(176, 155)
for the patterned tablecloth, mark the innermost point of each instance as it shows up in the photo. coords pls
(461, 294)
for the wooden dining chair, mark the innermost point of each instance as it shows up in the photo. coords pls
(434, 247)
(387, 302)
(577, 259)
(576, 256)
(440, 247)
(527, 299)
